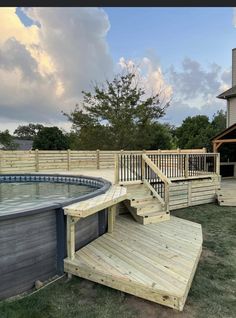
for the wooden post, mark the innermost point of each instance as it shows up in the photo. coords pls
(68, 159)
(218, 164)
(36, 160)
(205, 164)
(143, 165)
(98, 158)
(111, 218)
(214, 146)
(117, 169)
(70, 225)
(167, 196)
(159, 158)
(204, 149)
(186, 170)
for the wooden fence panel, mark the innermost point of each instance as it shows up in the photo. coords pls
(44, 160)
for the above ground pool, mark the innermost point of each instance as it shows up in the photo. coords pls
(25, 192)
(33, 226)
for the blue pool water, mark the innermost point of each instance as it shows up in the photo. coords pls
(22, 196)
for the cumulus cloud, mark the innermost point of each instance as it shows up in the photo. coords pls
(195, 89)
(149, 76)
(191, 89)
(44, 67)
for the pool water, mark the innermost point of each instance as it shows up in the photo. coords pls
(27, 195)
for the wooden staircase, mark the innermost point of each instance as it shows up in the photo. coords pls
(145, 207)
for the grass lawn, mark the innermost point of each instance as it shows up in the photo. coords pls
(213, 292)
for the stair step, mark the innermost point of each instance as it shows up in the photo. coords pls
(151, 218)
(144, 201)
(149, 208)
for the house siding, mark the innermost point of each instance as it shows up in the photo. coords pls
(231, 111)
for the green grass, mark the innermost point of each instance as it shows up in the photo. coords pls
(213, 292)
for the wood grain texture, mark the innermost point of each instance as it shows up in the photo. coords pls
(156, 262)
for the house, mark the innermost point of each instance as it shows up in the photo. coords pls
(225, 141)
(23, 144)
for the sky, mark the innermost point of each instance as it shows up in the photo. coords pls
(49, 55)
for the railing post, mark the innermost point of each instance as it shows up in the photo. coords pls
(218, 163)
(159, 158)
(98, 158)
(143, 165)
(68, 159)
(205, 164)
(117, 168)
(186, 166)
(36, 160)
(167, 196)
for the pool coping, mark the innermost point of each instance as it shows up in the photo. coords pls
(106, 185)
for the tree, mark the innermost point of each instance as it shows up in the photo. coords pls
(28, 131)
(116, 115)
(195, 132)
(157, 136)
(7, 140)
(218, 122)
(51, 138)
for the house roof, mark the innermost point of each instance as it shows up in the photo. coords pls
(23, 144)
(228, 130)
(229, 93)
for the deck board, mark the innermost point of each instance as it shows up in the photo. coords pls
(156, 262)
(114, 195)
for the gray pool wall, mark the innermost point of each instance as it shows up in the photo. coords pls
(33, 243)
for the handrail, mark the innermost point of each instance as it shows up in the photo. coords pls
(129, 167)
(163, 178)
(154, 192)
(152, 165)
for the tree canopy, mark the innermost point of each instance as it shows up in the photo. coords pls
(197, 131)
(7, 140)
(28, 131)
(117, 115)
(50, 138)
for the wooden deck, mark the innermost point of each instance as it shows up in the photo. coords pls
(226, 194)
(156, 262)
(85, 208)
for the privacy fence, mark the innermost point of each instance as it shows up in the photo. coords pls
(43, 160)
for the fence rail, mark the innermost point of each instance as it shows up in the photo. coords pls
(42, 160)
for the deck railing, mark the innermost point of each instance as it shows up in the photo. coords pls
(173, 166)
(157, 170)
(186, 165)
(156, 181)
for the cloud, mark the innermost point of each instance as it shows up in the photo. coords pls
(195, 89)
(44, 67)
(150, 77)
(75, 39)
(192, 89)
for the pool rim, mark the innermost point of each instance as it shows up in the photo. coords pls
(106, 185)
